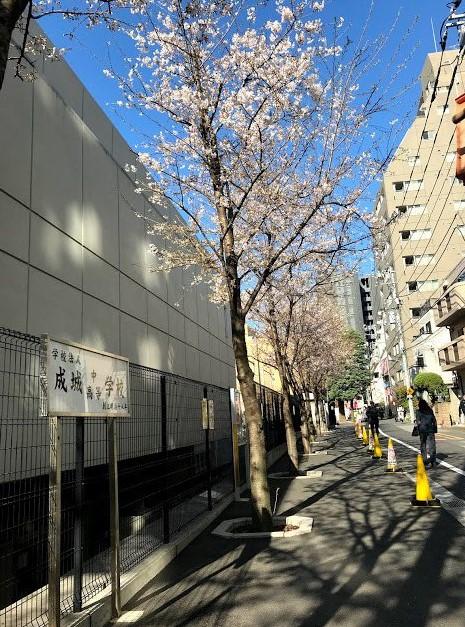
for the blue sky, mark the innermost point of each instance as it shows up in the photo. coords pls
(411, 39)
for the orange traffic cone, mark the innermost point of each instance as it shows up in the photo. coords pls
(370, 441)
(392, 459)
(377, 450)
(423, 495)
(364, 436)
(359, 431)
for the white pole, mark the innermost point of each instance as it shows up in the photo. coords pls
(434, 36)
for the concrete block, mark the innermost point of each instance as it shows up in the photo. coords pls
(100, 278)
(157, 349)
(14, 231)
(176, 289)
(133, 244)
(65, 82)
(54, 307)
(122, 153)
(97, 121)
(133, 339)
(205, 367)
(192, 333)
(193, 363)
(100, 325)
(176, 357)
(204, 340)
(213, 326)
(100, 201)
(57, 161)
(55, 252)
(133, 298)
(13, 293)
(176, 324)
(157, 312)
(16, 134)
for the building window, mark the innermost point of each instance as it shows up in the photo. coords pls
(412, 286)
(459, 205)
(420, 360)
(428, 134)
(443, 109)
(415, 311)
(414, 160)
(428, 328)
(450, 156)
(461, 230)
(408, 186)
(408, 261)
(416, 235)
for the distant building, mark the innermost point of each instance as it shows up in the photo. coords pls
(348, 298)
(423, 205)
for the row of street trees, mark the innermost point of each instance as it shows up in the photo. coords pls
(259, 126)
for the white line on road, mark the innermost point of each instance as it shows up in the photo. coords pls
(440, 461)
(451, 503)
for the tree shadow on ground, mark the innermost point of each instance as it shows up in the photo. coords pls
(371, 560)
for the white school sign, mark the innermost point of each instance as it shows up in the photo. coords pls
(82, 381)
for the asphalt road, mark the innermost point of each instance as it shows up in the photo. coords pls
(450, 445)
(372, 560)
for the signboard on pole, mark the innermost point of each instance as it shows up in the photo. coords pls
(83, 381)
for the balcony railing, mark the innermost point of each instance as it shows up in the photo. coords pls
(451, 306)
(452, 356)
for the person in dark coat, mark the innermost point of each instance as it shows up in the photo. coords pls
(373, 418)
(331, 416)
(427, 427)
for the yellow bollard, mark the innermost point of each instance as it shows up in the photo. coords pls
(423, 495)
(364, 436)
(377, 450)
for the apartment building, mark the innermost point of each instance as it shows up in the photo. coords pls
(423, 206)
(348, 299)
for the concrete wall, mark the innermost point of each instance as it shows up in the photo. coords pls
(73, 253)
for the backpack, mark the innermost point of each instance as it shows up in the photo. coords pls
(426, 422)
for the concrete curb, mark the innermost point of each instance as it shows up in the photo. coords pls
(226, 528)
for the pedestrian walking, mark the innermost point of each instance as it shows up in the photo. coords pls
(462, 410)
(373, 418)
(427, 427)
(331, 416)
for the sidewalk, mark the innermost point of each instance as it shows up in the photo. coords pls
(370, 560)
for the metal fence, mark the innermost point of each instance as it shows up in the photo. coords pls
(271, 403)
(170, 472)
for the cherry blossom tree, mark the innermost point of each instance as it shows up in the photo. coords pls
(321, 348)
(20, 14)
(261, 139)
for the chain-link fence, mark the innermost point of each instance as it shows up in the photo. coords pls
(170, 472)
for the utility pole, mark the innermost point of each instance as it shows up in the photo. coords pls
(398, 323)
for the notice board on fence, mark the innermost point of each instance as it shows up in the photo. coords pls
(82, 381)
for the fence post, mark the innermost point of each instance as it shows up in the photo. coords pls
(78, 490)
(164, 450)
(207, 458)
(54, 522)
(114, 519)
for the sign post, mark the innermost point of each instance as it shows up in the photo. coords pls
(82, 382)
(208, 422)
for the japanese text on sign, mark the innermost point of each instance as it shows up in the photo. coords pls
(84, 382)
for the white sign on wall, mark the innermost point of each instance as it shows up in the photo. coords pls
(82, 381)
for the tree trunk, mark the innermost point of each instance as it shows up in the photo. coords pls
(261, 506)
(304, 428)
(10, 12)
(316, 398)
(291, 439)
(279, 354)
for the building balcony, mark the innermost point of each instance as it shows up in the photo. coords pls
(451, 307)
(452, 356)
